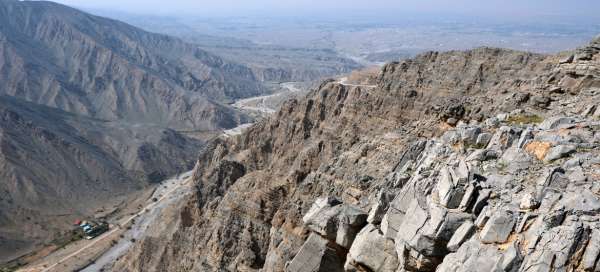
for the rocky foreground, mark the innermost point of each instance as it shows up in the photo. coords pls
(484, 160)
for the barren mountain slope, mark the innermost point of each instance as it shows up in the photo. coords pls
(390, 151)
(56, 166)
(54, 55)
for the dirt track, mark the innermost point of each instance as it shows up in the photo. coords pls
(91, 255)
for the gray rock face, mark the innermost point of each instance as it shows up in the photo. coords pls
(503, 138)
(373, 251)
(470, 135)
(526, 135)
(416, 219)
(557, 122)
(335, 221)
(472, 257)
(452, 185)
(316, 256)
(483, 139)
(529, 202)
(498, 227)
(378, 210)
(554, 248)
(460, 236)
(559, 152)
(516, 160)
(592, 251)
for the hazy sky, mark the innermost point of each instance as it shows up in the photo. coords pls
(583, 8)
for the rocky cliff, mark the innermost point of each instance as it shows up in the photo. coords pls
(57, 56)
(482, 160)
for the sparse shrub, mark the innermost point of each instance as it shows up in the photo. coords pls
(525, 119)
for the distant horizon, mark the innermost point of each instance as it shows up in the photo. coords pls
(494, 10)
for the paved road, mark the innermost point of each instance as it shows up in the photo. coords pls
(169, 191)
(344, 81)
(261, 106)
(259, 103)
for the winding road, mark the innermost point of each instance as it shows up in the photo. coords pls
(169, 192)
(344, 81)
(132, 228)
(258, 103)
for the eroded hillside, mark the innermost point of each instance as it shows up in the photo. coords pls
(64, 58)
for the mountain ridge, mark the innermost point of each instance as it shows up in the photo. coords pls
(67, 59)
(95, 111)
(354, 163)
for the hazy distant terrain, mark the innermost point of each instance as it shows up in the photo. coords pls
(368, 39)
(277, 62)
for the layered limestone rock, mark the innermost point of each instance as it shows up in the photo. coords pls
(447, 156)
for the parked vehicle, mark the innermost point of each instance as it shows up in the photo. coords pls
(92, 230)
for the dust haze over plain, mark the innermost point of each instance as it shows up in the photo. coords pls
(581, 9)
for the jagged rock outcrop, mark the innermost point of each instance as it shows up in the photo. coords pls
(442, 153)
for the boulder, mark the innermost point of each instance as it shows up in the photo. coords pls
(450, 223)
(516, 160)
(316, 255)
(335, 220)
(415, 219)
(373, 251)
(378, 210)
(460, 236)
(559, 152)
(567, 59)
(319, 205)
(481, 201)
(503, 138)
(529, 202)
(483, 217)
(557, 122)
(583, 201)
(452, 185)
(575, 162)
(483, 139)
(592, 251)
(498, 227)
(526, 135)
(469, 135)
(492, 122)
(510, 259)
(472, 256)
(467, 199)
